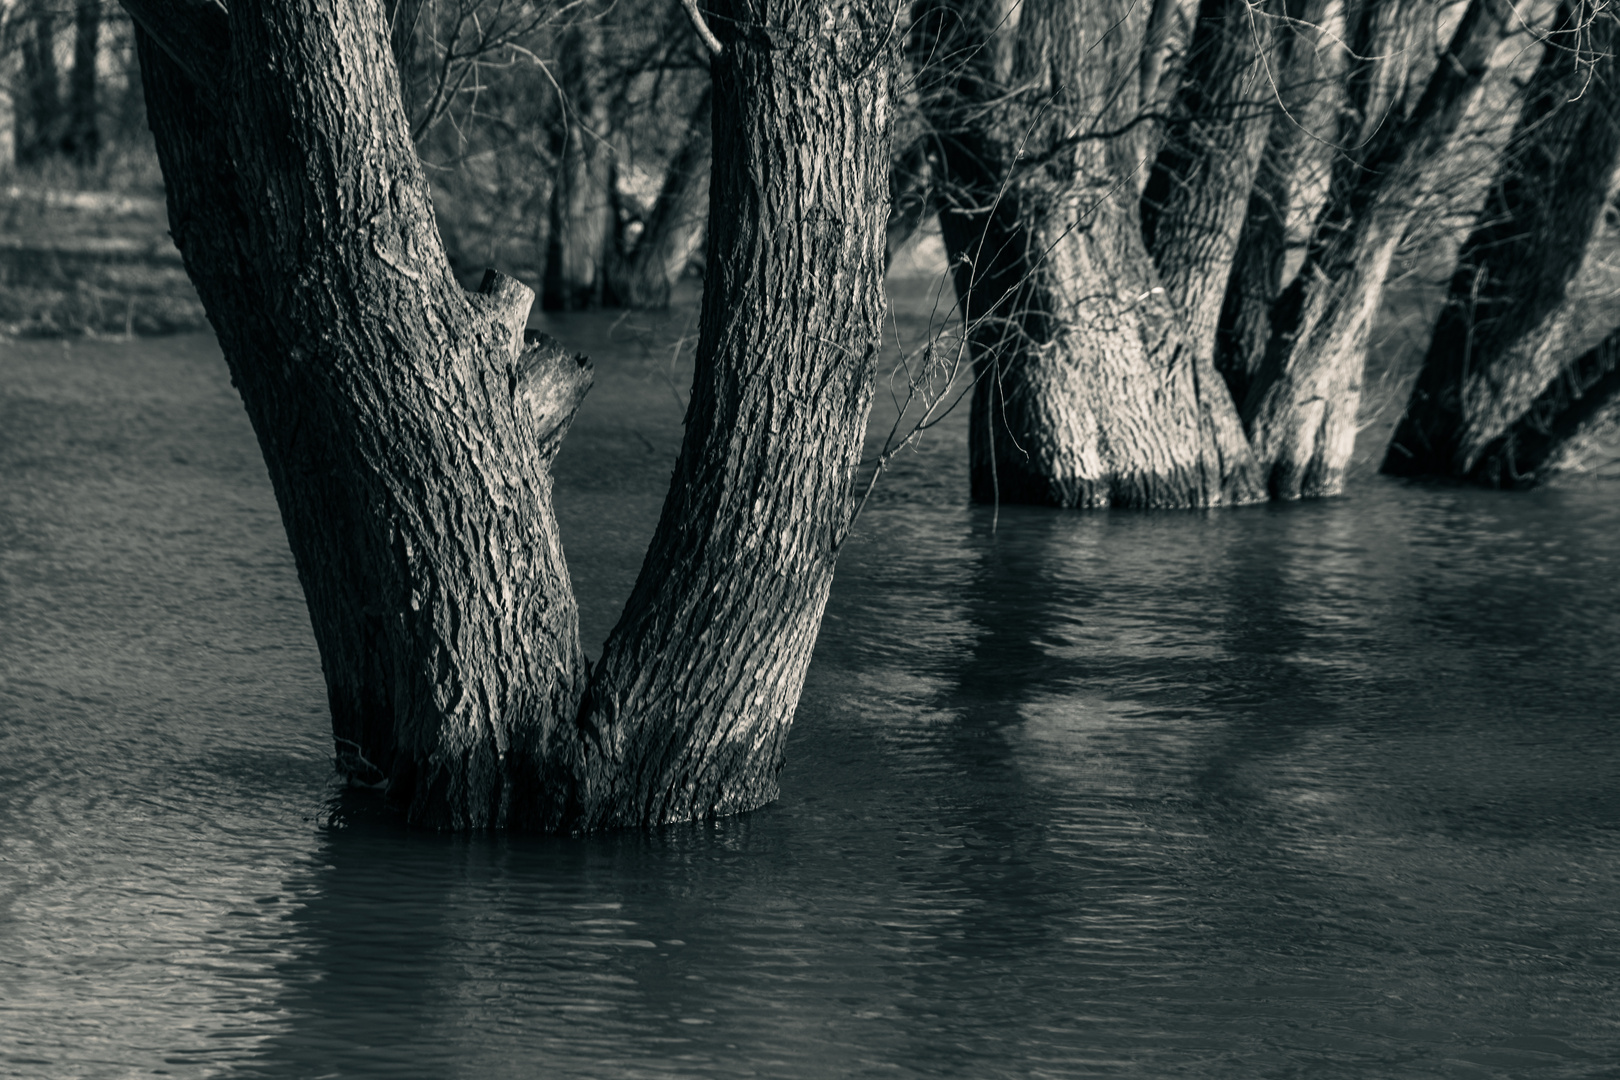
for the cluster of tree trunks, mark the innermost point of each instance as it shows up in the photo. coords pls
(1512, 375)
(1118, 226)
(1147, 352)
(408, 425)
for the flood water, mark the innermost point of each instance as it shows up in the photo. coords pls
(1325, 790)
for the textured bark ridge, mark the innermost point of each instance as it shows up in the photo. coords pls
(1195, 204)
(408, 426)
(405, 429)
(1306, 98)
(1489, 402)
(1090, 391)
(1301, 410)
(689, 706)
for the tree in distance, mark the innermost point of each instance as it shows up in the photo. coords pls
(1116, 190)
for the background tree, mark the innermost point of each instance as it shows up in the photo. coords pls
(1096, 324)
(82, 138)
(39, 108)
(407, 426)
(583, 210)
(1302, 408)
(1087, 391)
(673, 231)
(1512, 372)
(581, 110)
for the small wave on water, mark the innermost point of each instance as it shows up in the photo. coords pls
(1319, 790)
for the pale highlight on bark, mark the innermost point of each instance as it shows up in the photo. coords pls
(1089, 391)
(1301, 411)
(1528, 295)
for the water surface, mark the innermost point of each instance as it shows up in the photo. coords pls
(1315, 791)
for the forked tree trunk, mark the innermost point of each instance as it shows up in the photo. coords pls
(408, 430)
(1301, 410)
(675, 228)
(1502, 338)
(582, 232)
(1089, 392)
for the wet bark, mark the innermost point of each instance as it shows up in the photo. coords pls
(82, 140)
(1088, 392)
(675, 227)
(582, 234)
(1301, 410)
(1503, 336)
(408, 426)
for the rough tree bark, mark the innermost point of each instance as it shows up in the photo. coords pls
(689, 706)
(1486, 404)
(1294, 156)
(1194, 206)
(1088, 392)
(675, 227)
(408, 428)
(1301, 410)
(582, 234)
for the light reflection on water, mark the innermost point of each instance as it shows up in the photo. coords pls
(1322, 790)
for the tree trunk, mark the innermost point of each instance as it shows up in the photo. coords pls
(1502, 337)
(82, 140)
(405, 433)
(690, 704)
(39, 112)
(1195, 204)
(1301, 411)
(675, 228)
(582, 234)
(408, 430)
(1575, 416)
(1293, 157)
(1089, 392)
